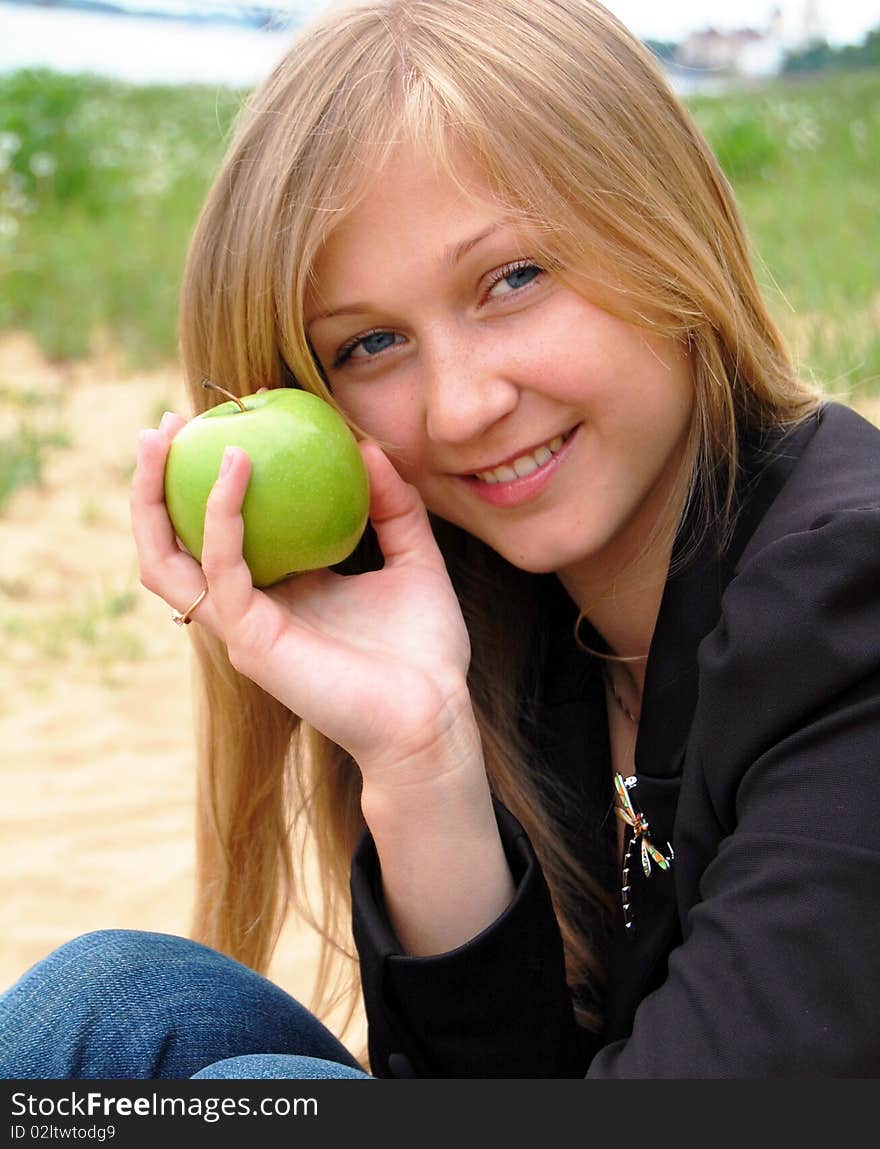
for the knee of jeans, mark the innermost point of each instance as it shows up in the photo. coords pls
(99, 962)
(110, 949)
(108, 983)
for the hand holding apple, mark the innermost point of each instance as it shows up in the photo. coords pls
(308, 496)
(377, 662)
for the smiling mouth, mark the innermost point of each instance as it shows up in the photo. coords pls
(525, 464)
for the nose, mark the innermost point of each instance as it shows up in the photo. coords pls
(466, 389)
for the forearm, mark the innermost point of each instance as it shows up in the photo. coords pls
(445, 876)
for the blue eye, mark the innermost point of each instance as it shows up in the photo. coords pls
(377, 341)
(514, 277)
(371, 344)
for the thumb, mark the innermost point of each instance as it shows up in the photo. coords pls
(396, 511)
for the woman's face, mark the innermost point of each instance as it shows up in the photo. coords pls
(523, 413)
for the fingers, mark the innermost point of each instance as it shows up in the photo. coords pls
(227, 574)
(154, 535)
(165, 569)
(397, 511)
(170, 424)
(248, 620)
(169, 571)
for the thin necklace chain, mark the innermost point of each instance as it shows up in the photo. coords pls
(606, 674)
(625, 710)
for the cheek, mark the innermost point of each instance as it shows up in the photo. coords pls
(654, 381)
(390, 415)
(673, 382)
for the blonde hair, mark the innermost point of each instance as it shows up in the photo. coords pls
(573, 124)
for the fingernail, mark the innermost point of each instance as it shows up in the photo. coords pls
(228, 456)
(165, 420)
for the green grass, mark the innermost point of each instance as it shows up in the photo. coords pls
(804, 159)
(22, 457)
(21, 463)
(101, 183)
(32, 426)
(92, 625)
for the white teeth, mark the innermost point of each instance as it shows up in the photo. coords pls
(523, 465)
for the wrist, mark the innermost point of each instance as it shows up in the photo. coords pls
(445, 876)
(439, 756)
(437, 784)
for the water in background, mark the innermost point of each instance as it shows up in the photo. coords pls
(139, 49)
(155, 50)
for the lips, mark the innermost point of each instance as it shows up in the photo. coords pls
(524, 464)
(524, 476)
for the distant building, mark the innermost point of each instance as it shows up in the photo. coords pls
(751, 52)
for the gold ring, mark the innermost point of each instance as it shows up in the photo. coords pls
(185, 619)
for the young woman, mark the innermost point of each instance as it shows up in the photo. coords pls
(585, 733)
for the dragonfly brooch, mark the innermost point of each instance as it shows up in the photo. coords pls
(625, 809)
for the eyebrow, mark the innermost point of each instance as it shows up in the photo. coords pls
(451, 256)
(458, 251)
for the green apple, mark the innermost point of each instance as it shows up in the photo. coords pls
(307, 498)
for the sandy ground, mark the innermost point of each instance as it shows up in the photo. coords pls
(96, 744)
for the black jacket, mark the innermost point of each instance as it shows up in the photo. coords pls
(758, 758)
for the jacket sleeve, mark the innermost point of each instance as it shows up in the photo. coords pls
(777, 826)
(498, 1006)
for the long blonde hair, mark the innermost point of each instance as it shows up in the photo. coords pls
(577, 133)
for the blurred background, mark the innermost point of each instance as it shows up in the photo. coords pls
(113, 118)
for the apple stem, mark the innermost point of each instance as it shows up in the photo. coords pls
(209, 386)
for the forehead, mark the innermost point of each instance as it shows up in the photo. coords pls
(413, 181)
(414, 206)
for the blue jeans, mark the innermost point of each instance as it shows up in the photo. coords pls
(129, 1004)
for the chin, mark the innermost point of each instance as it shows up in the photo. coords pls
(539, 560)
(540, 548)
(531, 564)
